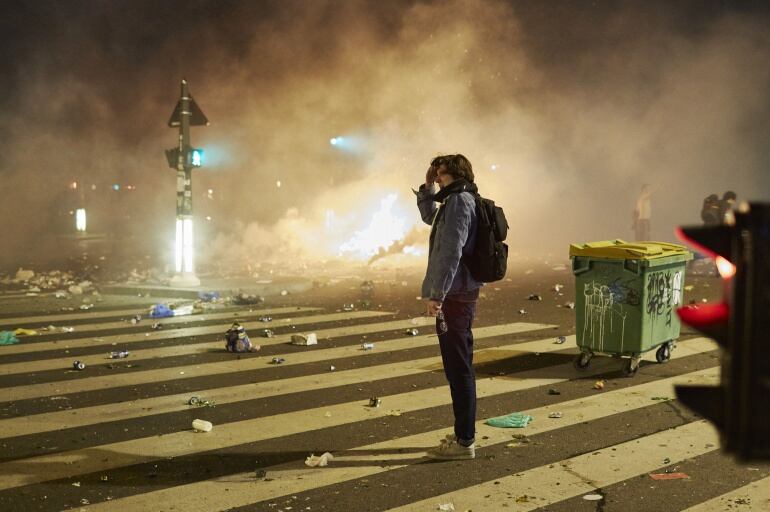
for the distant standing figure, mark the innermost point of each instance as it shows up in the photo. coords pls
(726, 215)
(710, 213)
(642, 214)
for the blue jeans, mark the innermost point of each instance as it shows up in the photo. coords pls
(453, 327)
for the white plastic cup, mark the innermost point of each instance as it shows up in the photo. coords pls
(202, 425)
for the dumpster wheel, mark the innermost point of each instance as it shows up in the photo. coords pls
(631, 366)
(663, 354)
(583, 360)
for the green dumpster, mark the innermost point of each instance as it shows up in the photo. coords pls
(626, 295)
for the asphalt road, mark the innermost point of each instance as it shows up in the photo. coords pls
(117, 435)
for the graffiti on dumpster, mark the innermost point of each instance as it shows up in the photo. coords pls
(623, 293)
(664, 291)
(601, 314)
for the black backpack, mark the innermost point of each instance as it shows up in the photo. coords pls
(489, 259)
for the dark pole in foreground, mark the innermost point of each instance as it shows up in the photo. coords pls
(184, 158)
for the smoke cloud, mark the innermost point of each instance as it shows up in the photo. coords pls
(564, 109)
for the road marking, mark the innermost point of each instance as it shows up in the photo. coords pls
(756, 496)
(72, 316)
(110, 340)
(78, 417)
(583, 474)
(208, 495)
(172, 321)
(249, 363)
(67, 464)
(195, 348)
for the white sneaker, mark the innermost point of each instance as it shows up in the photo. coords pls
(450, 449)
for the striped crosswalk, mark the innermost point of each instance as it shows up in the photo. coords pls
(83, 440)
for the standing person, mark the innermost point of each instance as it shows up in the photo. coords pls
(711, 214)
(642, 214)
(726, 215)
(451, 291)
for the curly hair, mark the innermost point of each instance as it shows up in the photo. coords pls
(457, 165)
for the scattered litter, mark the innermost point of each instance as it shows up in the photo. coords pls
(375, 402)
(304, 339)
(367, 346)
(8, 338)
(157, 326)
(518, 440)
(557, 287)
(67, 329)
(553, 391)
(319, 461)
(86, 307)
(513, 420)
(394, 413)
(593, 497)
(555, 415)
(522, 312)
(569, 305)
(660, 398)
(24, 332)
(446, 507)
(104, 478)
(76, 484)
(236, 340)
(208, 296)
(118, 355)
(266, 319)
(332, 368)
(267, 333)
(136, 319)
(522, 499)
(689, 288)
(534, 296)
(160, 311)
(599, 384)
(668, 476)
(183, 310)
(348, 307)
(260, 473)
(244, 299)
(75, 290)
(202, 426)
(412, 332)
(278, 360)
(78, 365)
(200, 402)
(561, 340)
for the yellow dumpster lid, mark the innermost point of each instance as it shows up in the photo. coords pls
(620, 249)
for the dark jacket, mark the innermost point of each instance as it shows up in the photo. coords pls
(453, 235)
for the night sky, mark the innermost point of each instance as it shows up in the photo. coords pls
(575, 104)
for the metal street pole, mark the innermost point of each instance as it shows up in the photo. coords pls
(183, 158)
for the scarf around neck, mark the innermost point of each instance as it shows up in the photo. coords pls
(457, 186)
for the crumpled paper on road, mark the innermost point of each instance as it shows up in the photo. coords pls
(319, 460)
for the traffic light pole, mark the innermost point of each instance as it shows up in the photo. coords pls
(186, 114)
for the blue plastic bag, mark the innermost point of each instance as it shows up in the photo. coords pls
(161, 311)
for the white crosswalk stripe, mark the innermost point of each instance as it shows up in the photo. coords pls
(542, 485)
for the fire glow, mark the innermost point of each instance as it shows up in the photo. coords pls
(383, 231)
